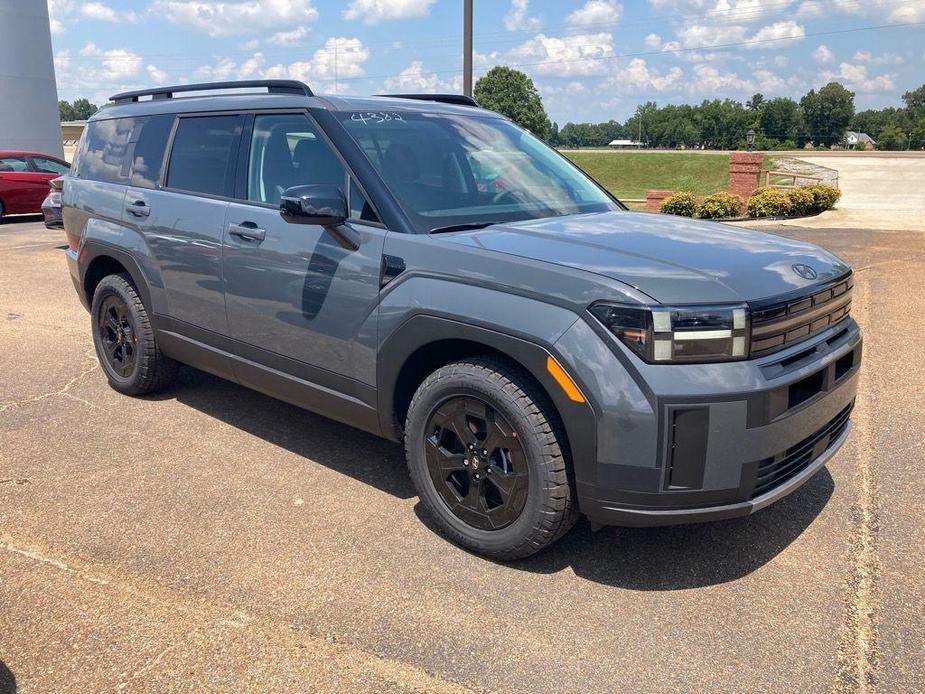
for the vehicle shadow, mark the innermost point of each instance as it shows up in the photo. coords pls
(668, 558)
(681, 556)
(351, 452)
(7, 680)
(11, 221)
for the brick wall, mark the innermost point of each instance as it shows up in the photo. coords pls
(744, 172)
(655, 198)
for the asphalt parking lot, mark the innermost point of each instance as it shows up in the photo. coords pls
(213, 538)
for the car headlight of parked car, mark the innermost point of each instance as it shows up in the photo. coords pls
(673, 334)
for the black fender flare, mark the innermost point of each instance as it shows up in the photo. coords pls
(579, 419)
(93, 249)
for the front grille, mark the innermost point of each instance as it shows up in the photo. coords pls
(780, 324)
(783, 466)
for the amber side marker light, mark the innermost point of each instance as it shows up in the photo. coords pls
(562, 378)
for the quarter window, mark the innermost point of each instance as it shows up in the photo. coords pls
(287, 150)
(203, 155)
(51, 166)
(105, 149)
(150, 138)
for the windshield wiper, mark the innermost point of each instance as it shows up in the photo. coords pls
(468, 226)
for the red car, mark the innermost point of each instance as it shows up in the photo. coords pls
(24, 178)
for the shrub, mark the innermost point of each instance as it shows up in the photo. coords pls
(720, 206)
(802, 201)
(769, 202)
(680, 204)
(824, 197)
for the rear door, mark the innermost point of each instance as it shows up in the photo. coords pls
(296, 299)
(22, 189)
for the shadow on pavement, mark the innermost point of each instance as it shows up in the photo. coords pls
(7, 680)
(668, 558)
(351, 452)
(12, 221)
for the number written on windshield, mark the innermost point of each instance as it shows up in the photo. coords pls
(365, 117)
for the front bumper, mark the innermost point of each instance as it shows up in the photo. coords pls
(691, 443)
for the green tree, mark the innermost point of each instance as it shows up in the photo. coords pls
(780, 119)
(65, 111)
(513, 94)
(83, 109)
(827, 113)
(554, 134)
(915, 101)
(755, 103)
(892, 138)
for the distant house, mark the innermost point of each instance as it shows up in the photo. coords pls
(853, 139)
(624, 144)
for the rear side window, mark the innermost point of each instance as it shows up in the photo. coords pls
(49, 166)
(150, 139)
(203, 155)
(104, 155)
(8, 164)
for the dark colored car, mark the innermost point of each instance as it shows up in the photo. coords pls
(51, 206)
(24, 178)
(428, 271)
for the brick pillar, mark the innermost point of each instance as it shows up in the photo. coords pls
(744, 172)
(655, 198)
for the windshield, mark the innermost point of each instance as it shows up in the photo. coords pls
(449, 170)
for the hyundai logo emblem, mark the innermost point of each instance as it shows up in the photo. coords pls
(805, 271)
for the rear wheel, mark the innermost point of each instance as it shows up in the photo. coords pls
(124, 339)
(487, 458)
(2, 211)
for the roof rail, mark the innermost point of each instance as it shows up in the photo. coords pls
(272, 86)
(458, 99)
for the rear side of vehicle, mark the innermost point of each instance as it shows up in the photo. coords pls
(24, 181)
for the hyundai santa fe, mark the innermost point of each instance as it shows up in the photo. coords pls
(426, 270)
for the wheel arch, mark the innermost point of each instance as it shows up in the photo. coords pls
(101, 260)
(425, 343)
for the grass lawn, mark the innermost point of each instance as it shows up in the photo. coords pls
(631, 174)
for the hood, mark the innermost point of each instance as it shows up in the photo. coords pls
(671, 259)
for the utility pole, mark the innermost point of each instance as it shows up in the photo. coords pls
(467, 47)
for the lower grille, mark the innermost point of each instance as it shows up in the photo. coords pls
(773, 472)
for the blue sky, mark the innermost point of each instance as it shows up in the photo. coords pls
(592, 60)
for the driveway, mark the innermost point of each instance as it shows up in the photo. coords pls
(880, 190)
(213, 538)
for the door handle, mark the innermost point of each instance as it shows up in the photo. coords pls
(247, 231)
(139, 208)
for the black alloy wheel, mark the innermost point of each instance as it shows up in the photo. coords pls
(476, 462)
(117, 335)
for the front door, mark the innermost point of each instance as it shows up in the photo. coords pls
(297, 301)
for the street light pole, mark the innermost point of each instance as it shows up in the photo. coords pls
(467, 48)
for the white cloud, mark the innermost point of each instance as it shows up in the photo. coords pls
(708, 36)
(596, 12)
(62, 60)
(517, 18)
(217, 18)
(653, 42)
(251, 45)
(882, 59)
(220, 71)
(414, 79)
(779, 34)
(566, 56)
(157, 75)
(638, 76)
(112, 65)
(58, 10)
(889, 11)
(104, 13)
(855, 77)
(769, 81)
(709, 79)
(289, 38)
(823, 55)
(376, 11)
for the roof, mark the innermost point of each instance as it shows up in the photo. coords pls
(125, 105)
(27, 153)
(617, 143)
(860, 137)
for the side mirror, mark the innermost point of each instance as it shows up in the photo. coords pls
(324, 205)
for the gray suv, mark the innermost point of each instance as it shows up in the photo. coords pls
(427, 271)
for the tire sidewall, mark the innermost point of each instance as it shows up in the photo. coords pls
(466, 386)
(116, 286)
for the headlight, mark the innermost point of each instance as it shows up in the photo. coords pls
(666, 334)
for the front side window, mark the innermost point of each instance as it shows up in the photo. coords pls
(447, 170)
(286, 151)
(10, 164)
(202, 158)
(50, 166)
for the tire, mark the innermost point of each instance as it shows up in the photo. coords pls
(448, 413)
(124, 339)
(2, 211)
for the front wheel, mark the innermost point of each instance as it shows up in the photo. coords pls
(488, 458)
